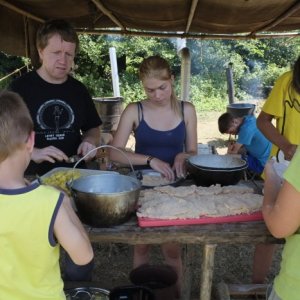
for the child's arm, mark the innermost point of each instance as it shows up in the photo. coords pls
(71, 234)
(281, 205)
(233, 148)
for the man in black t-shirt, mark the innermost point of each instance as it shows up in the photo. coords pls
(65, 119)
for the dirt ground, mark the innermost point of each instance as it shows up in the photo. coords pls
(233, 264)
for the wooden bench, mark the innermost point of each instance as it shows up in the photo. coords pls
(225, 291)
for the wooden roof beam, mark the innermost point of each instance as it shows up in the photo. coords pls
(191, 15)
(108, 13)
(279, 19)
(21, 11)
(188, 35)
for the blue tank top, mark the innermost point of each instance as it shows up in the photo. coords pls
(164, 145)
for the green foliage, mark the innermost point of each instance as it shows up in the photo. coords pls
(256, 64)
(8, 64)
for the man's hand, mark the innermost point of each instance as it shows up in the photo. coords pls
(84, 148)
(50, 154)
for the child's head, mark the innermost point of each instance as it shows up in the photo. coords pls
(226, 123)
(15, 124)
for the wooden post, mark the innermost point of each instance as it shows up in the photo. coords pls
(207, 270)
(230, 84)
(185, 73)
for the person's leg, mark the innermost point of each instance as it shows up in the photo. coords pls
(254, 164)
(172, 255)
(262, 262)
(140, 255)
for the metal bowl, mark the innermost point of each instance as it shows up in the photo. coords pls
(210, 169)
(87, 293)
(105, 199)
(157, 179)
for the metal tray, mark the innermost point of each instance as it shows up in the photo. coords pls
(153, 173)
(83, 172)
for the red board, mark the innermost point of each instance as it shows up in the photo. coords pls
(147, 222)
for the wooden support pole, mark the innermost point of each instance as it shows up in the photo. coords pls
(207, 270)
(230, 84)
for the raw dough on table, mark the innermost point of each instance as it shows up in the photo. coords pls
(193, 202)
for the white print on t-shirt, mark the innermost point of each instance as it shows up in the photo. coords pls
(54, 117)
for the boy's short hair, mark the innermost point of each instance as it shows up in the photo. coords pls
(15, 123)
(60, 27)
(224, 122)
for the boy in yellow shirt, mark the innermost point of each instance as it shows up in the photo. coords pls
(34, 219)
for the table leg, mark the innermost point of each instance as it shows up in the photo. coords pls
(207, 268)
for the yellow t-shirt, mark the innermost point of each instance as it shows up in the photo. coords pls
(29, 255)
(284, 104)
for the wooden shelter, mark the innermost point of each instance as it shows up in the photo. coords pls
(203, 19)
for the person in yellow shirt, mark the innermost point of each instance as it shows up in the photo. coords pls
(283, 106)
(34, 219)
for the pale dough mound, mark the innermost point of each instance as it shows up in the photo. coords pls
(185, 202)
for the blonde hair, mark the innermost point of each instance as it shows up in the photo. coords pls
(15, 123)
(158, 68)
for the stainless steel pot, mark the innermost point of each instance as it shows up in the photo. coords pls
(209, 169)
(105, 199)
(87, 293)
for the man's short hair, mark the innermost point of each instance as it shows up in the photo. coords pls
(60, 27)
(224, 122)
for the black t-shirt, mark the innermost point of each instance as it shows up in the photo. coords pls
(60, 112)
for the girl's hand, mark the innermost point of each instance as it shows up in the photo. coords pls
(179, 165)
(163, 168)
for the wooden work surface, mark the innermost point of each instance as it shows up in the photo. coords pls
(230, 233)
(209, 235)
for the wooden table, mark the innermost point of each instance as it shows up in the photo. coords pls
(209, 235)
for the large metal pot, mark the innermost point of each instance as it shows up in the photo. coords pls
(105, 199)
(209, 169)
(241, 109)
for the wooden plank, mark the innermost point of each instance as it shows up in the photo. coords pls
(231, 233)
(247, 289)
(223, 292)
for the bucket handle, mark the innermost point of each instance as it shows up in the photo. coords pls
(97, 148)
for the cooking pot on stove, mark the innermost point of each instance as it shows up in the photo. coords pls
(210, 169)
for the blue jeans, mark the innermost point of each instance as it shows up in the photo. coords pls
(254, 164)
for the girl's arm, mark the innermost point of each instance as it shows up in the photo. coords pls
(281, 204)
(190, 118)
